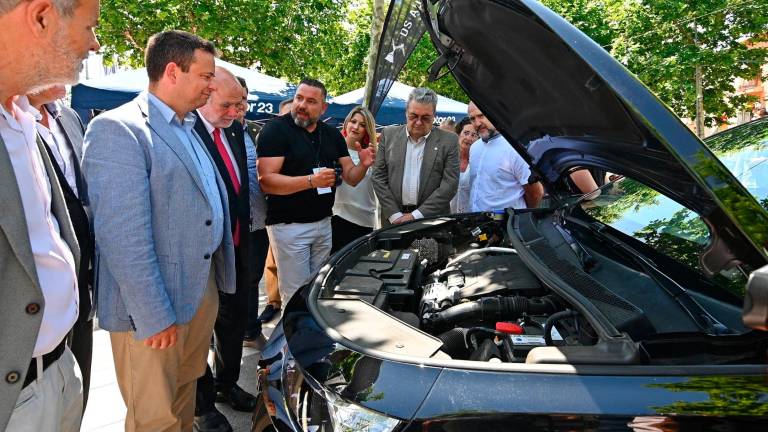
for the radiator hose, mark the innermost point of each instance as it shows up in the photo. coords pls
(492, 309)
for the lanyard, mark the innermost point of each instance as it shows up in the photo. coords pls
(308, 140)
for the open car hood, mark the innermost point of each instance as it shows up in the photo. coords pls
(563, 102)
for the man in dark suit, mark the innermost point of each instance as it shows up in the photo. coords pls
(62, 132)
(223, 137)
(416, 173)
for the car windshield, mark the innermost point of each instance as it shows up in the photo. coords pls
(672, 229)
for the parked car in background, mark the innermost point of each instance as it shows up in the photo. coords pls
(628, 311)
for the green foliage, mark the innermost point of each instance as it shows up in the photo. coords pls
(288, 39)
(662, 41)
(724, 396)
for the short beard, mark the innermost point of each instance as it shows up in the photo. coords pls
(303, 123)
(65, 68)
(488, 134)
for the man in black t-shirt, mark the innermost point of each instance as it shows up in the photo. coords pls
(297, 157)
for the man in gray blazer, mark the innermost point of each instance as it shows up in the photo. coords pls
(416, 172)
(163, 237)
(40, 388)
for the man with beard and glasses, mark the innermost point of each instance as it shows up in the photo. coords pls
(297, 156)
(163, 234)
(499, 177)
(44, 42)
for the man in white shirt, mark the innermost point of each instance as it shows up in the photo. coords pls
(499, 176)
(416, 173)
(44, 42)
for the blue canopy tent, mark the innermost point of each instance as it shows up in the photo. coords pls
(111, 91)
(392, 111)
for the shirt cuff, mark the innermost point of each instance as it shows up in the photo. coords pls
(417, 214)
(395, 217)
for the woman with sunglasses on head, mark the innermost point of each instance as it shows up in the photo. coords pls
(467, 136)
(354, 211)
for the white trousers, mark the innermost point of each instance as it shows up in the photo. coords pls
(53, 403)
(299, 249)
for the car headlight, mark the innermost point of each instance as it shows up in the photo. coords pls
(347, 417)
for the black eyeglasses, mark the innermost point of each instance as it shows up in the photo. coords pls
(428, 118)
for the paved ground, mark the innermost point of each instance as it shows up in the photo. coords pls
(106, 410)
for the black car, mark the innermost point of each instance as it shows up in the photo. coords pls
(642, 308)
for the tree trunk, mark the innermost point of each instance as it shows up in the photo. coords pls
(699, 103)
(377, 22)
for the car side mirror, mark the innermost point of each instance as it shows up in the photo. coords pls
(755, 313)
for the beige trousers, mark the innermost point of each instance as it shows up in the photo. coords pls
(158, 386)
(271, 281)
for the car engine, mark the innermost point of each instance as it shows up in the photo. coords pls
(465, 285)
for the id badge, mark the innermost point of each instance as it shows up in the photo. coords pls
(321, 190)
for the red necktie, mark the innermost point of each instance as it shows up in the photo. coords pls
(232, 175)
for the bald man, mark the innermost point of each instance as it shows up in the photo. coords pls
(223, 137)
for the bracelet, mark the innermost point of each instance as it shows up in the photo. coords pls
(309, 179)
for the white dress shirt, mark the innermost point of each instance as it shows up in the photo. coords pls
(54, 262)
(414, 156)
(460, 202)
(209, 127)
(54, 136)
(497, 175)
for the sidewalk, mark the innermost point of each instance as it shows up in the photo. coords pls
(106, 410)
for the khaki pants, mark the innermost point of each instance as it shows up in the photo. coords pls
(271, 281)
(300, 249)
(158, 386)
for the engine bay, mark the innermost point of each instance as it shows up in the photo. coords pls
(470, 284)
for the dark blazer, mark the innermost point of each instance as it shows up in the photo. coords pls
(239, 204)
(73, 129)
(439, 176)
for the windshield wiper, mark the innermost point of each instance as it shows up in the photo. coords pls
(703, 319)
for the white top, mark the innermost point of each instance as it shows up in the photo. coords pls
(356, 204)
(209, 127)
(460, 201)
(414, 156)
(54, 136)
(497, 176)
(54, 262)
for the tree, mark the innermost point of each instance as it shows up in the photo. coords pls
(673, 44)
(286, 39)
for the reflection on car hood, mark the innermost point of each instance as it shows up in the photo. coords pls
(562, 102)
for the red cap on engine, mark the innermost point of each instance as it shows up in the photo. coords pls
(509, 328)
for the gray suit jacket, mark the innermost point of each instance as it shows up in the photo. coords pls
(439, 177)
(18, 279)
(151, 219)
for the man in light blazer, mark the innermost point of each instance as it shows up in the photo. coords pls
(164, 244)
(416, 172)
(44, 42)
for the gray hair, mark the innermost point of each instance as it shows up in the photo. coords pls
(64, 7)
(424, 96)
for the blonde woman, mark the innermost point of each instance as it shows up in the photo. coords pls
(354, 211)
